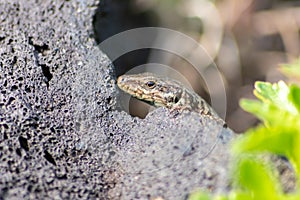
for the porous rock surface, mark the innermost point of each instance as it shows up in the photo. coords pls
(61, 136)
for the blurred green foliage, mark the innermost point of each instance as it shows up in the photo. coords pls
(278, 107)
(291, 70)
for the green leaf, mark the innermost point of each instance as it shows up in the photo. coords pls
(282, 139)
(200, 196)
(268, 113)
(240, 195)
(294, 96)
(262, 139)
(256, 179)
(291, 70)
(276, 94)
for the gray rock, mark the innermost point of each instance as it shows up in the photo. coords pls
(60, 134)
(170, 157)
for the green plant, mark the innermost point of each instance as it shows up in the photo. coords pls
(278, 107)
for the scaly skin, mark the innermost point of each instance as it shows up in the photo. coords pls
(164, 92)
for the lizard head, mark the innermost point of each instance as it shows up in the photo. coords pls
(152, 89)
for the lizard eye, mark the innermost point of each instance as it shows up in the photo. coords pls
(150, 84)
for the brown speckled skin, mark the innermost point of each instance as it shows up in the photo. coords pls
(164, 92)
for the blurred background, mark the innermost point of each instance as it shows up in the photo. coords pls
(247, 39)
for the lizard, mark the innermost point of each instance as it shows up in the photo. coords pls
(164, 92)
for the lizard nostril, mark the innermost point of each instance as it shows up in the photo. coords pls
(120, 79)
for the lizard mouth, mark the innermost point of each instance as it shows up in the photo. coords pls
(123, 85)
(135, 92)
(131, 89)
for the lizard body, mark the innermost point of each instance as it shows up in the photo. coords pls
(164, 92)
